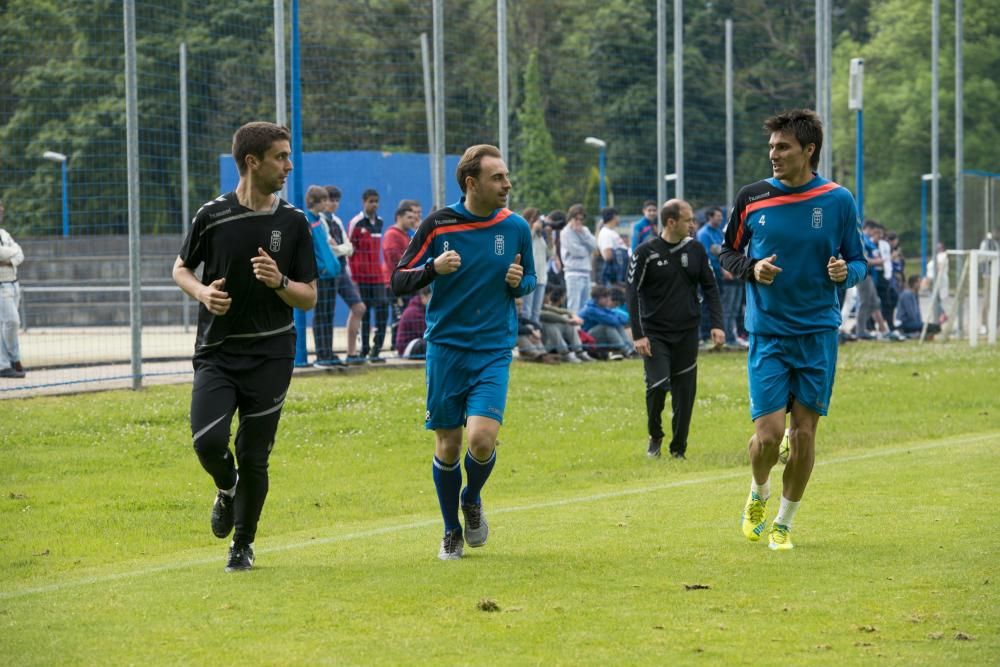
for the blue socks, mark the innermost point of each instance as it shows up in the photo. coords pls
(477, 472)
(448, 482)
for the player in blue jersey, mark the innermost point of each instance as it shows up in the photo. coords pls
(794, 238)
(477, 257)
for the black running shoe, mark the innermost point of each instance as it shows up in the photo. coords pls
(222, 515)
(678, 455)
(240, 558)
(654, 448)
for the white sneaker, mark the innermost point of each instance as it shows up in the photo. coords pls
(571, 358)
(477, 530)
(583, 356)
(615, 356)
(451, 545)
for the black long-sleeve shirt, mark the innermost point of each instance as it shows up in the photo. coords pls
(663, 281)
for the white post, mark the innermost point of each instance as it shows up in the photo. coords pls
(991, 319)
(502, 78)
(679, 97)
(973, 298)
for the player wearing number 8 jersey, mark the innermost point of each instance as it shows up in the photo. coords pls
(477, 257)
(793, 238)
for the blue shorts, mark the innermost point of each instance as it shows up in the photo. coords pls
(782, 368)
(465, 383)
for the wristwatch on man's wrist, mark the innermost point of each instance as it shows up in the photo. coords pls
(283, 284)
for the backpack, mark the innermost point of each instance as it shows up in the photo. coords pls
(327, 265)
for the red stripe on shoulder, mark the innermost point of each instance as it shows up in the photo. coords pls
(500, 216)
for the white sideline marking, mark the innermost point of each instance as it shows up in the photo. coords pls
(958, 441)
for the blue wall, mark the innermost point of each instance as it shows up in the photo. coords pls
(396, 176)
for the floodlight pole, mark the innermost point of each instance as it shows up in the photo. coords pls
(730, 153)
(64, 169)
(502, 75)
(661, 100)
(679, 96)
(855, 101)
(132, 165)
(297, 198)
(601, 147)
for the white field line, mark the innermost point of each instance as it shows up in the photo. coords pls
(958, 441)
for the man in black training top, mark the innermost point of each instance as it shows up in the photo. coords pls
(663, 280)
(258, 264)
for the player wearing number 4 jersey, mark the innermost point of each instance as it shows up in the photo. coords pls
(476, 255)
(793, 238)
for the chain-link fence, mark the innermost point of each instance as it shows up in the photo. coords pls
(576, 69)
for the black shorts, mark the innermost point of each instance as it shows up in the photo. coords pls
(673, 353)
(252, 385)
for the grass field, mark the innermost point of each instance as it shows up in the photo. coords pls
(597, 555)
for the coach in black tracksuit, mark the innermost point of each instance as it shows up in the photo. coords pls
(663, 279)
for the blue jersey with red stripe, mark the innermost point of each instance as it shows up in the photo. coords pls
(804, 227)
(473, 307)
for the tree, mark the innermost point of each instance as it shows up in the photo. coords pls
(538, 176)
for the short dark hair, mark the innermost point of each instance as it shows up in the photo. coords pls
(409, 203)
(368, 194)
(556, 219)
(671, 209)
(712, 210)
(617, 294)
(804, 124)
(471, 160)
(403, 208)
(913, 281)
(609, 213)
(646, 204)
(530, 214)
(599, 292)
(255, 139)
(554, 293)
(333, 192)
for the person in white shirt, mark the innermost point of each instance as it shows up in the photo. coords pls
(11, 257)
(614, 251)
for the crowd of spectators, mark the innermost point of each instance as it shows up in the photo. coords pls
(577, 313)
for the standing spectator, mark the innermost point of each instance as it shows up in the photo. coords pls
(869, 303)
(578, 246)
(541, 250)
(258, 264)
(328, 270)
(614, 252)
(784, 237)
(606, 325)
(710, 236)
(664, 277)
(410, 342)
(394, 243)
(555, 222)
(887, 295)
(11, 257)
(645, 228)
(477, 267)
(988, 244)
(366, 270)
(348, 291)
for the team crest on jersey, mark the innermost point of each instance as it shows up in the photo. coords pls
(817, 218)
(498, 244)
(275, 241)
(684, 259)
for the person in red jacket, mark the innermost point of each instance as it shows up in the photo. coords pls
(368, 274)
(394, 243)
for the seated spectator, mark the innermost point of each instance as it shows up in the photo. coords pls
(606, 325)
(561, 328)
(908, 318)
(410, 343)
(529, 339)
